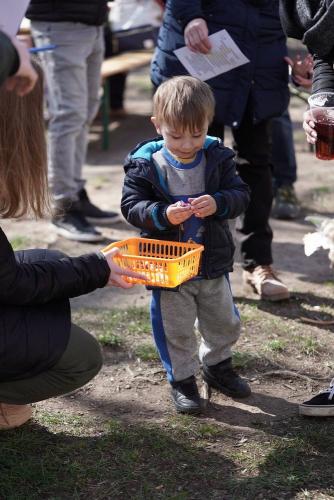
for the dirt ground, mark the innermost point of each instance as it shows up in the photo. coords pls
(129, 388)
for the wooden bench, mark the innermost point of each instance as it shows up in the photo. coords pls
(121, 63)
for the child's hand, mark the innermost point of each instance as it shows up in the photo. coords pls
(178, 213)
(203, 206)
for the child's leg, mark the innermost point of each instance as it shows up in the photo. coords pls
(219, 325)
(218, 320)
(173, 316)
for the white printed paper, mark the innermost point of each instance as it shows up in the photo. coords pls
(11, 15)
(224, 56)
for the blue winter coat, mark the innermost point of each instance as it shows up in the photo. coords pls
(145, 200)
(258, 33)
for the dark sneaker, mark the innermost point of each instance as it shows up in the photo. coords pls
(94, 214)
(226, 380)
(186, 396)
(286, 205)
(321, 405)
(73, 226)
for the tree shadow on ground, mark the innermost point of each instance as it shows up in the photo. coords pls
(184, 458)
(299, 306)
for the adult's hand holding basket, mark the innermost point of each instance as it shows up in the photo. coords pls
(165, 264)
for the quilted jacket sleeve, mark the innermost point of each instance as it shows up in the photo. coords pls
(43, 280)
(141, 205)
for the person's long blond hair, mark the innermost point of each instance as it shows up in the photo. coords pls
(23, 171)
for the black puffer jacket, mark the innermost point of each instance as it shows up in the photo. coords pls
(145, 200)
(35, 286)
(93, 12)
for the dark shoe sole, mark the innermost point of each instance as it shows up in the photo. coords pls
(84, 237)
(102, 221)
(225, 390)
(188, 411)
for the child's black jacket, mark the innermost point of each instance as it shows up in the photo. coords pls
(145, 200)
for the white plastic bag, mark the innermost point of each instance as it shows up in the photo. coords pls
(129, 14)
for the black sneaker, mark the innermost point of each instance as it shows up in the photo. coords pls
(94, 214)
(186, 396)
(226, 380)
(73, 226)
(321, 405)
(286, 205)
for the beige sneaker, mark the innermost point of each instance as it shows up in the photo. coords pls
(264, 282)
(13, 415)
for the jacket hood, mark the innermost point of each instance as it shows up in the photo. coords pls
(145, 150)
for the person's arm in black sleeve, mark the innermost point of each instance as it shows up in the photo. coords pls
(9, 58)
(46, 280)
(290, 20)
(323, 75)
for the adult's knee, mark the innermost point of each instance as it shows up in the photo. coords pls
(89, 359)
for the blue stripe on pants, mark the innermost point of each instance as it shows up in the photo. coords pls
(159, 333)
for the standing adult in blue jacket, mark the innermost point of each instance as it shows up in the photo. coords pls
(246, 99)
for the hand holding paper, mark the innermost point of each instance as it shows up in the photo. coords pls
(223, 56)
(196, 36)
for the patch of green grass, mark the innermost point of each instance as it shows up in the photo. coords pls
(320, 190)
(120, 323)
(243, 360)
(287, 464)
(146, 352)
(308, 346)
(180, 457)
(110, 339)
(248, 312)
(20, 242)
(194, 428)
(276, 345)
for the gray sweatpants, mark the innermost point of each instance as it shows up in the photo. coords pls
(72, 72)
(173, 316)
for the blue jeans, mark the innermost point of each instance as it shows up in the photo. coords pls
(72, 73)
(283, 151)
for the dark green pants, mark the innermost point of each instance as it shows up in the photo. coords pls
(81, 361)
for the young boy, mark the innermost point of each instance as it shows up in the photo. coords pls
(184, 187)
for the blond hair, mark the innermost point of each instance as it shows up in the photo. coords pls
(23, 172)
(184, 102)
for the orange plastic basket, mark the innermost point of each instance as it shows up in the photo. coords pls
(164, 263)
